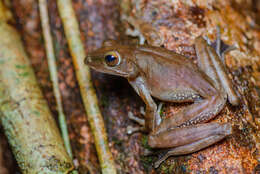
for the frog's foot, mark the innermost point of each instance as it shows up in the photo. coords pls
(142, 111)
(155, 152)
(220, 47)
(136, 33)
(136, 119)
(193, 147)
(142, 121)
(131, 129)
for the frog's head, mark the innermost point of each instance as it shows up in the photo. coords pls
(112, 58)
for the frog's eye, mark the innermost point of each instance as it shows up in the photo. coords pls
(112, 58)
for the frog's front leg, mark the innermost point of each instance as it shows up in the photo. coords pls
(152, 118)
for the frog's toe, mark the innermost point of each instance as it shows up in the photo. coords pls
(162, 155)
(220, 46)
(207, 39)
(136, 119)
(130, 129)
(161, 158)
(148, 152)
(142, 111)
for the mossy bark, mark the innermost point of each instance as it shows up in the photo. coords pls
(25, 116)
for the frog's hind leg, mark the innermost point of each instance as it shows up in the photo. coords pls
(200, 111)
(195, 146)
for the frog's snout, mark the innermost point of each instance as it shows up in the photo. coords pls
(88, 60)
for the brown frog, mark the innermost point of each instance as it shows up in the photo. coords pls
(171, 77)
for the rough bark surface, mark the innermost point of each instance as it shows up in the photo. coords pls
(179, 23)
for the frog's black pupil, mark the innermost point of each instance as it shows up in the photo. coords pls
(110, 58)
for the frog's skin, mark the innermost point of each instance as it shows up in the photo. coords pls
(171, 77)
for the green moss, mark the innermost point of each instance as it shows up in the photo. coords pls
(183, 168)
(144, 142)
(20, 66)
(37, 113)
(117, 141)
(171, 168)
(175, 165)
(25, 74)
(104, 101)
(165, 169)
(147, 162)
(2, 61)
(161, 111)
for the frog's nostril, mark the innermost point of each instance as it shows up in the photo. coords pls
(87, 60)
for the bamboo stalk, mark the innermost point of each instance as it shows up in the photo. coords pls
(72, 33)
(53, 72)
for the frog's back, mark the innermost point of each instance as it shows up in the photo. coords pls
(172, 77)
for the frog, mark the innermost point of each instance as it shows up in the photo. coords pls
(156, 72)
(144, 31)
